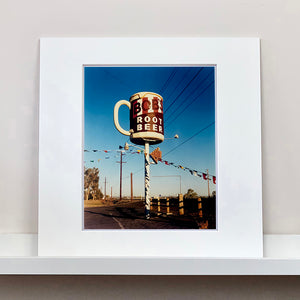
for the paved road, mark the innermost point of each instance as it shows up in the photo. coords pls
(131, 216)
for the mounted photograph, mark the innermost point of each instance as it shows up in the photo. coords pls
(152, 153)
(149, 147)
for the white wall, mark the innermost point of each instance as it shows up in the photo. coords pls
(276, 22)
(22, 23)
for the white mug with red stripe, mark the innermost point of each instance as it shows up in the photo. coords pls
(146, 118)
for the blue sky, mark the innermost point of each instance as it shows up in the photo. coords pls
(189, 106)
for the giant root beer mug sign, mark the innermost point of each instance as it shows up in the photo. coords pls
(146, 118)
(146, 127)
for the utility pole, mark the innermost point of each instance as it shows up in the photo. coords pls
(105, 189)
(131, 187)
(121, 162)
(180, 184)
(208, 182)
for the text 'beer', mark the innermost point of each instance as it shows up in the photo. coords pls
(146, 118)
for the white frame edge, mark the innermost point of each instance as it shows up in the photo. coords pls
(238, 129)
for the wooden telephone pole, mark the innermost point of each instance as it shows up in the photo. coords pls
(105, 189)
(121, 162)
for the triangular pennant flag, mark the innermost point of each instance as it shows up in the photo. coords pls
(92, 161)
(120, 147)
(214, 179)
(94, 150)
(166, 163)
(204, 176)
(86, 150)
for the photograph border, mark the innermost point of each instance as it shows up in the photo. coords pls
(238, 131)
(216, 141)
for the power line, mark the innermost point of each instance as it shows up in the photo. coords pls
(183, 90)
(204, 128)
(180, 113)
(185, 74)
(130, 154)
(116, 78)
(168, 81)
(195, 89)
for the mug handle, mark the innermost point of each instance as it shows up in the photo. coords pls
(116, 116)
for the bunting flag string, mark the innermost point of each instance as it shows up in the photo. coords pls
(167, 163)
(92, 161)
(130, 151)
(101, 150)
(192, 172)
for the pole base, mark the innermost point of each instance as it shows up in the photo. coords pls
(147, 214)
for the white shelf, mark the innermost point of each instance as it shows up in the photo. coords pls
(148, 266)
(19, 256)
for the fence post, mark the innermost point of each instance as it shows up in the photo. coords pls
(200, 208)
(181, 207)
(168, 206)
(158, 205)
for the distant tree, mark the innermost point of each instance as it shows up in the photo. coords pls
(190, 194)
(91, 184)
(98, 194)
